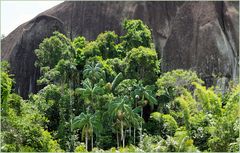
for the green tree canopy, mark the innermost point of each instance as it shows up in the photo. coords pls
(6, 86)
(107, 44)
(137, 34)
(52, 49)
(142, 64)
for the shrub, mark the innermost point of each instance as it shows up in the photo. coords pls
(80, 148)
(167, 124)
(171, 84)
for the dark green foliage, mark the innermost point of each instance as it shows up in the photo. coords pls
(56, 59)
(79, 43)
(52, 49)
(53, 101)
(123, 116)
(106, 68)
(22, 127)
(91, 93)
(137, 34)
(107, 44)
(144, 95)
(142, 64)
(108, 94)
(47, 101)
(104, 46)
(167, 124)
(90, 50)
(126, 87)
(94, 72)
(117, 80)
(89, 123)
(116, 64)
(6, 85)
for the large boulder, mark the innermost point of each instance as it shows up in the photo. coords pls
(202, 36)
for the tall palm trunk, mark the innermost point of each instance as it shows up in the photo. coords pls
(86, 140)
(134, 135)
(122, 134)
(123, 139)
(141, 133)
(134, 129)
(92, 140)
(61, 113)
(117, 140)
(130, 131)
(71, 118)
(141, 125)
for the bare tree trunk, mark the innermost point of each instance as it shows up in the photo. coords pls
(134, 135)
(130, 131)
(134, 130)
(122, 135)
(117, 141)
(86, 140)
(141, 125)
(92, 140)
(71, 118)
(123, 139)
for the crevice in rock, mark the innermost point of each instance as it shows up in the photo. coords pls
(222, 17)
(224, 27)
(71, 23)
(167, 13)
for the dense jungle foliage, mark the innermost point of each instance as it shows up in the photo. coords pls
(109, 94)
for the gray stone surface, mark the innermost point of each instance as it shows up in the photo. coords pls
(202, 36)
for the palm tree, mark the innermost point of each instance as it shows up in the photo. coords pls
(94, 72)
(117, 80)
(144, 95)
(121, 111)
(136, 122)
(89, 123)
(67, 69)
(90, 92)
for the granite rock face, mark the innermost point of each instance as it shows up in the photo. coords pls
(202, 36)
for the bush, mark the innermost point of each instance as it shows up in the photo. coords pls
(181, 142)
(80, 148)
(171, 84)
(151, 143)
(8, 148)
(129, 148)
(167, 124)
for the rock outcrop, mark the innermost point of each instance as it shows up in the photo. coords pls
(202, 36)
